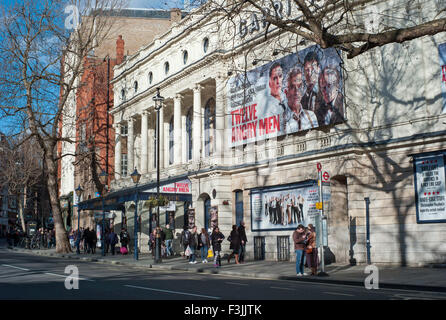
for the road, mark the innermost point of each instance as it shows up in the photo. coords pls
(25, 276)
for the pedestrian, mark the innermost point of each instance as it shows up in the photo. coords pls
(184, 239)
(216, 240)
(152, 242)
(107, 241)
(243, 241)
(84, 238)
(169, 238)
(193, 244)
(94, 240)
(48, 238)
(311, 250)
(234, 238)
(299, 247)
(112, 240)
(78, 241)
(53, 237)
(204, 244)
(124, 238)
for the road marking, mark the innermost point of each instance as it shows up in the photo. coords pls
(174, 292)
(339, 294)
(237, 284)
(65, 276)
(7, 265)
(283, 288)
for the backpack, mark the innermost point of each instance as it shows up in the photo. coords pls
(185, 237)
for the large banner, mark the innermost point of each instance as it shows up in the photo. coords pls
(442, 52)
(285, 207)
(298, 92)
(430, 189)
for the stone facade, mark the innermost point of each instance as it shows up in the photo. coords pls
(392, 113)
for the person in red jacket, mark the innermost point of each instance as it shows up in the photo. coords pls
(299, 238)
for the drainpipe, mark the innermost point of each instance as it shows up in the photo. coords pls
(367, 222)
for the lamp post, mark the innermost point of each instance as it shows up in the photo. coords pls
(103, 176)
(158, 99)
(78, 191)
(135, 177)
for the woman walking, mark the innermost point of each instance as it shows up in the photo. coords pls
(311, 250)
(216, 240)
(234, 237)
(203, 245)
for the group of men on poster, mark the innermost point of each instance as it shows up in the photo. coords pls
(285, 209)
(311, 96)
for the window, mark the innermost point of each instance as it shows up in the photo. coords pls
(124, 165)
(185, 56)
(135, 86)
(205, 45)
(209, 127)
(123, 95)
(166, 68)
(171, 141)
(238, 207)
(189, 144)
(124, 130)
(150, 77)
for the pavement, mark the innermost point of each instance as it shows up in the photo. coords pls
(407, 278)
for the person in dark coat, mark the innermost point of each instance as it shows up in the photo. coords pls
(235, 240)
(216, 240)
(193, 244)
(243, 241)
(112, 240)
(125, 238)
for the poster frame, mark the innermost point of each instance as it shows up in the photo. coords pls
(282, 187)
(416, 157)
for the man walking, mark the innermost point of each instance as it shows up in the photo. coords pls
(169, 237)
(243, 241)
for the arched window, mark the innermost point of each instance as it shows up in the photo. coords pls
(207, 208)
(189, 145)
(209, 127)
(150, 77)
(135, 86)
(123, 94)
(171, 141)
(166, 68)
(238, 207)
(185, 56)
(205, 44)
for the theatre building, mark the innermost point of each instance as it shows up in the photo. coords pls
(244, 124)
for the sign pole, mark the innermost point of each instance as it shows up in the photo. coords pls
(322, 273)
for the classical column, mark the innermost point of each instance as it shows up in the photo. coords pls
(130, 147)
(197, 127)
(151, 143)
(162, 137)
(144, 140)
(183, 139)
(177, 157)
(166, 143)
(118, 151)
(219, 116)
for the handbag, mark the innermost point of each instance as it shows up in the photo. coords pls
(210, 253)
(309, 250)
(188, 251)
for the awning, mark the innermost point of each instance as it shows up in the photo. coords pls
(174, 189)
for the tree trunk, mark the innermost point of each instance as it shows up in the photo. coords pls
(62, 242)
(21, 209)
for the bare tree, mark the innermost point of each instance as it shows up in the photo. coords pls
(352, 26)
(41, 62)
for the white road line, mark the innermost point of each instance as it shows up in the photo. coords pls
(283, 288)
(7, 265)
(339, 294)
(65, 276)
(174, 292)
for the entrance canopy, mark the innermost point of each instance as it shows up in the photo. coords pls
(176, 189)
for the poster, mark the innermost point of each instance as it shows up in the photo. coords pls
(442, 53)
(285, 207)
(213, 214)
(430, 189)
(191, 218)
(298, 92)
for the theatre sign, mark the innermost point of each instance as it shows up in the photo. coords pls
(180, 187)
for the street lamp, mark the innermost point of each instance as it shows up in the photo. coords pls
(158, 99)
(135, 177)
(103, 176)
(78, 191)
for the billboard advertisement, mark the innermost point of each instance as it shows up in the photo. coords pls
(285, 207)
(298, 92)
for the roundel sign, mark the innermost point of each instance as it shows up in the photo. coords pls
(325, 177)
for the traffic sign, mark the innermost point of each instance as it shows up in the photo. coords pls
(325, 177)
(319, 166)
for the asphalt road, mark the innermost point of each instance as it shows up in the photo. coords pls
(25, 276)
